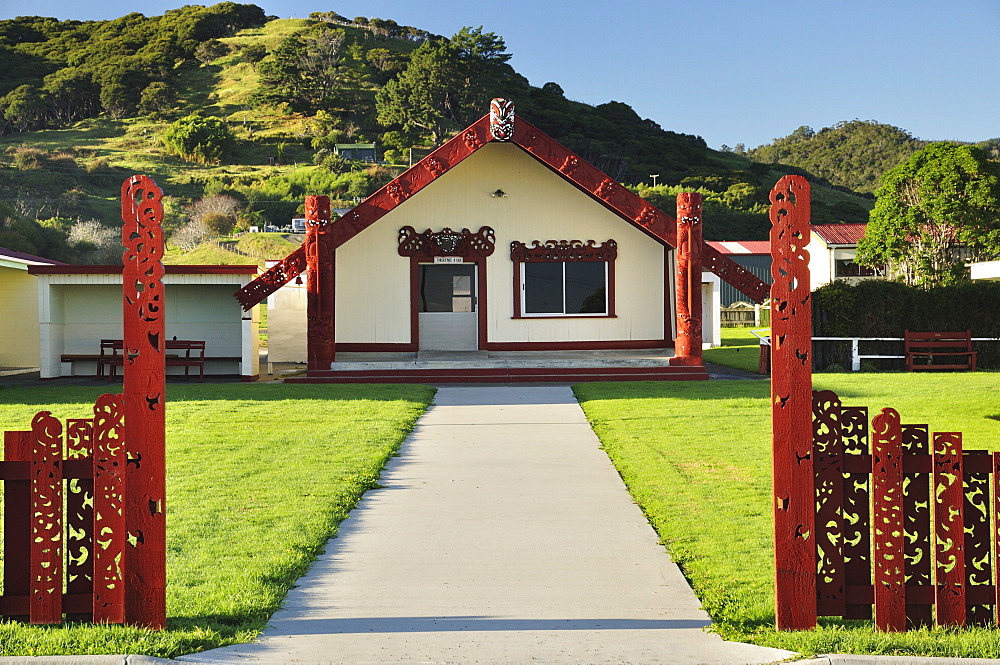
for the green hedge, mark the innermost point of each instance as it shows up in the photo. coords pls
(876, 308)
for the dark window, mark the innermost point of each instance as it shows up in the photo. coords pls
(848, 268)
(577, 287)
(448, 287)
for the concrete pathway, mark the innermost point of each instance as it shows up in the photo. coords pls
(503, 534)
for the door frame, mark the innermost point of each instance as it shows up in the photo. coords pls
(481, 303)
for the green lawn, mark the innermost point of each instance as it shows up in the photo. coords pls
(696, 457)
(740, 349)
(258, 477)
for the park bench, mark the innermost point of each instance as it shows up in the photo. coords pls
(186, 353)
(954, 348)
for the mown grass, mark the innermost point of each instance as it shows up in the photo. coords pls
(258, 478)
(696, 457)
(740, 349)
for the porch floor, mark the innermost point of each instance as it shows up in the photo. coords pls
(503, 367)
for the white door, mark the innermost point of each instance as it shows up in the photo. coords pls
(447, 307)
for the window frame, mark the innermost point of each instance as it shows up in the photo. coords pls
(563, 252)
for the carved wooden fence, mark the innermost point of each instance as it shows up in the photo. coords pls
(63, 484)
(84, 504)
(906, 528)
(890, 521)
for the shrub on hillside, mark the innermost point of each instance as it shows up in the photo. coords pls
(202, 139)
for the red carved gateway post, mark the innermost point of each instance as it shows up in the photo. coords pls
(687, 347)
(107, 546)
(791, 407)
(144, 377)
(320, 284)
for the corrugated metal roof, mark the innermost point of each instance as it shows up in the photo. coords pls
(840, 234)
(733, 247)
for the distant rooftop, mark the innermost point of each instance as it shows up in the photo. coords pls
(26, 259)
(732, 247)
(840, 234)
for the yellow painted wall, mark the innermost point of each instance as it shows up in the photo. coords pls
(18, 318)
(373, 301)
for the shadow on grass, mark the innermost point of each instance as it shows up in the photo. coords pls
(245, 392)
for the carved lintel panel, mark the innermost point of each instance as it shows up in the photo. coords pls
(501, 119)
(563, 251)
(447, 242)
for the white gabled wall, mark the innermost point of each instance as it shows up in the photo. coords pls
(373, 281)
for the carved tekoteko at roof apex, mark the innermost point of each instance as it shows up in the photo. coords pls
(501, 124)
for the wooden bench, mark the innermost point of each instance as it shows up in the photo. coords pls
(949, 346)
(188, 353)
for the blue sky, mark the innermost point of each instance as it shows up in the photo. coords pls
(732, 71)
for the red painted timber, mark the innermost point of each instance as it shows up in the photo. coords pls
(16, 519)
(791, 407)
(828, 451)
(917, 515)
(46, 552)
(887, 522)
(950, 534)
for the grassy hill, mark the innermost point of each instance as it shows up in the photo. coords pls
(75, 172)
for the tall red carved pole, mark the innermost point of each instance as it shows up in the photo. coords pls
(320, 284)
(791, 407)
(144, 372)
(687, 347)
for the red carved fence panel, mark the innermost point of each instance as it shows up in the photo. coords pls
(929, 529)
(102, 557)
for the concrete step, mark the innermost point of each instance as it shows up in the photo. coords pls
(504, 374)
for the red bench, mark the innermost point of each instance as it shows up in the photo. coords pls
(954, 348)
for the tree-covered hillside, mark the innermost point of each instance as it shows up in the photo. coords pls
(851, 154)
(224, 101)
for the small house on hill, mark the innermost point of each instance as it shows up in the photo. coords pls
(357, 152)
(19, 309)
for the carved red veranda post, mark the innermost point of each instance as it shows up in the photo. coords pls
(791, 408)
(144, 561)
(687, 347)
(320, 284)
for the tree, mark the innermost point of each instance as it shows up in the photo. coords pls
(447, 83)
(96, 243)
(202, 139)
(933, 213)
(210, 50)
(157, 97)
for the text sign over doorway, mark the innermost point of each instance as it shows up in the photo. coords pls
(449, 259)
